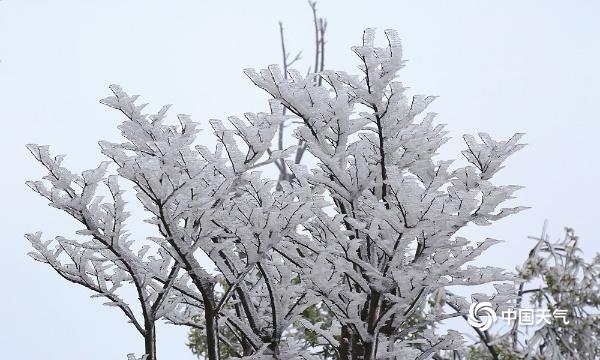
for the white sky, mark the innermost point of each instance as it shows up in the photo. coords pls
(500, 67)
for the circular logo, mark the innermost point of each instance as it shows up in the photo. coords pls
(476, 310)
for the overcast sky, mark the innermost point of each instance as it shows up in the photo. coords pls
(497, 66)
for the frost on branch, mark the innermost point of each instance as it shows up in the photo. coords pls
(489, 155)
(562, 289)
(200, 201)
(390, 243)
(133, 357)
(367, 236)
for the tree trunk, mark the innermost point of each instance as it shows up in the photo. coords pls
(150, 341)
(274, 349)
(210, 317)
(372, 315)
(369, 350)
(345, 341)
(358, 348)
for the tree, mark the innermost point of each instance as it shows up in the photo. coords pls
(314, 314)
(367, 233)
(554, 277)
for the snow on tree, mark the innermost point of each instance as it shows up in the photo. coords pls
(368, 234)
(562, 288)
